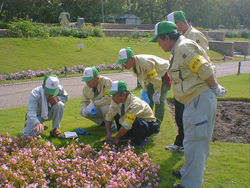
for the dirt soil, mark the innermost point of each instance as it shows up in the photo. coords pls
(232, 122)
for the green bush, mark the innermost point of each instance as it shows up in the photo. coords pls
(237, 34)
(97, 32)
(245, 34)
(3, 25)
(28, 29)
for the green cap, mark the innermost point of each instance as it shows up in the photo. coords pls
(125, 54)
(89, 74)
(117, 86)
(163, 27)
(51, 84)
(176, 16)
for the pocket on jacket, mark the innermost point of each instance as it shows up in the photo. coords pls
(199, 125)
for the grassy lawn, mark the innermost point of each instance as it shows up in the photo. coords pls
(227, 165)
(56, 53)
(237, 39)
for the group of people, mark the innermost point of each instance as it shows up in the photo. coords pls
(189, 71)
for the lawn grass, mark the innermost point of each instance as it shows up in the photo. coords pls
(227, 165)
(19, 54)
(237, 39)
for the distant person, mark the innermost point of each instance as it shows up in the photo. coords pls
(178, 17)
(46, 102)
(134, 117)
(151, 72)
(94, 96)
(195, 86)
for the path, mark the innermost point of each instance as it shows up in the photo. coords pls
(15, 95)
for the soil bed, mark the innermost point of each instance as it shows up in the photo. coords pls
(232, 123)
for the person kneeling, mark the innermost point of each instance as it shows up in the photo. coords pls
(133, 116)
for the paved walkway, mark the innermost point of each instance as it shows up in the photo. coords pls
(15, 95)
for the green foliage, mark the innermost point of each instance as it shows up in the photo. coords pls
(27, 29)
(3, 25)
(232, 158)
(57, 52)
(237, 34)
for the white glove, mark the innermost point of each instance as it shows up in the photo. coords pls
(219, 90)
(88, 109)
(156, 98)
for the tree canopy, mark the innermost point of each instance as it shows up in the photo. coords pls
(202, 13)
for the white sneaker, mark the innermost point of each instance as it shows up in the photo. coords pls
(175, 148)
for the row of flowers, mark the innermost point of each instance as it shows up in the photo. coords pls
(222, 58)
(76, 69)
(30, 163)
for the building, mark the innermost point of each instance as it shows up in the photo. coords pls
(128, 19)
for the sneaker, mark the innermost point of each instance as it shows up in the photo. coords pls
(177, 174)
(175, 148)
(56, 133)
(143, 143)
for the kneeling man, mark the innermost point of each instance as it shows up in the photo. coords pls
(133, 115)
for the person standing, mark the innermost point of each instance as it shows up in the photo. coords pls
(178, 17)
(46, 102)
(95, 102)
(133, 116)
(195, 86)
(151, 72)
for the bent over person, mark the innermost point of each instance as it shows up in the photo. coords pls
(134, 117)
(94, 96)
(195, 86)
(46, 102)
(151, 72)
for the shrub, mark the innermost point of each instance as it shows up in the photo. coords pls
(28, 29)
(3, 25)
(27, 162)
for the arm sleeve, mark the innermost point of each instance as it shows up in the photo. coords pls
(153, 75)
(62, 95)
(32, 110)
(196, 59)
(113, 110)
(84, 101)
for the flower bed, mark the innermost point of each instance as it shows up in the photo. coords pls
(76, 69)
(30, 163)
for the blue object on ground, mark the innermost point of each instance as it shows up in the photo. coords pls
(143, 143)
(82, 131)
(144, 96)
(93, 111)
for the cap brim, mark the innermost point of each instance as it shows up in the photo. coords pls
(112, 92)
(121, 61)
(154, 38)
(87, 79)
(51, 91)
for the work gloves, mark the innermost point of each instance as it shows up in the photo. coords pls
(219, 90)
(90, 109)
(156, 98)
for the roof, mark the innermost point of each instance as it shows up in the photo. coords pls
(125, 16)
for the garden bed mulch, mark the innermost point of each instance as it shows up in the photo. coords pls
(232, 122)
